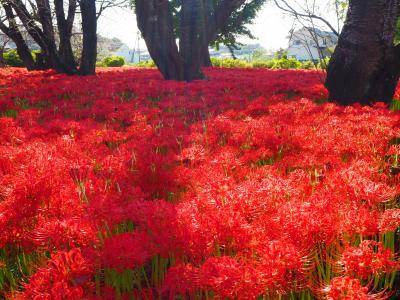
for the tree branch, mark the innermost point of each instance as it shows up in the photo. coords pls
(289, 9)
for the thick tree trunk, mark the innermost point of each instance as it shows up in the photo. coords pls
(154, 20)
(45, 17)
(13, 33)
(205, 57)
(192, 38)
(43, 36)
(64, 25)
(200, 21)
(364, 67)
(89, 28)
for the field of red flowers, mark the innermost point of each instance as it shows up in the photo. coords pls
(245, 186)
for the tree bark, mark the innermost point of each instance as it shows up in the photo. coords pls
(64, 25)
(43, 36)
(365, 65)
(193, 38)
(200, 21)
(44, 13)
(155, 22)
(205, 56)
(89, 28)
(14, 34)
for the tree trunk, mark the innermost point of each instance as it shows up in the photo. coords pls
(192, 38)
(14, 34)
(64, 25)
(44, 36)
(89, 29)
(364, 67)
(154, 20)
(205, 56)
(200, 21)
(44, 12)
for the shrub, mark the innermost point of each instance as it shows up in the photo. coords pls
(11, 59)
(323, 63)
(113, 61)
(229, 63)
(146, 64)
(263, 64)
(286, 63)
(308, 65)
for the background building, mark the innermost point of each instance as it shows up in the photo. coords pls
(311, 44)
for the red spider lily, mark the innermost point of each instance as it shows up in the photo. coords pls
(242, 184)
(347, 288)
(369, 258)
(66, 276)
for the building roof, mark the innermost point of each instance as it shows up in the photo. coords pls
(319, 32)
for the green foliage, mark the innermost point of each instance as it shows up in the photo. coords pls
(237, 25)
(397, 36)
(263, 64)
(287, 63)
(282, 63)
(35, 53)
(308, 65)
(395, 105)
(113, 61)
(281, 53)
(229, 63)
(146, 64)
(260, 54)
(11, 59)
(323, 63)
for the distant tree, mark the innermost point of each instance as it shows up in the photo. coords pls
(281, 53)
(260, 54)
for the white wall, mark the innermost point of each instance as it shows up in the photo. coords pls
(300, 52)
(302, 45)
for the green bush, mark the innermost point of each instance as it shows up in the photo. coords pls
(11, 59)
(286, 63)
(263, 64)
(308, 65)
(229, 63)
(281, 63)
(145, 64)
(113, 61)
(323, 64)
(35, 53)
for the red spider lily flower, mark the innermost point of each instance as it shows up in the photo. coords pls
(390, 220)
(347, 288)
(369, 258)
(66, 276)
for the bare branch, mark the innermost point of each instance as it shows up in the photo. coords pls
(286, 7)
